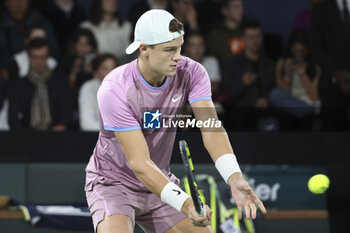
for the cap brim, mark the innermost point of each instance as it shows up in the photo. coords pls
(133, 47)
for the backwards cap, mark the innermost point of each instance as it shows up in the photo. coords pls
(153, 28)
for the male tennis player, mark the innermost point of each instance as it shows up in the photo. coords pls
(128, 177)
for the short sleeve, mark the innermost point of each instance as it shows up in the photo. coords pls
(115, 111)
(200, 88)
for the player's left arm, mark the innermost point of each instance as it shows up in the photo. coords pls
(217, 143)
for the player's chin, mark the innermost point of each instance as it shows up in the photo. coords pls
(171, 72)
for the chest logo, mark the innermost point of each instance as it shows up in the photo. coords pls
(174, 100)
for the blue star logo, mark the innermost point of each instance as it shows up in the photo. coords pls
(151, 120)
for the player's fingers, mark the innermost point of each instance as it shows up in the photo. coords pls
(203, 223)
(209, 212)
(198, 219)
(247, 212)
(253, 210)
(239, 213)
(261, 205)
(203, 220)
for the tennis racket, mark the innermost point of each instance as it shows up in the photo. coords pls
(187, 160)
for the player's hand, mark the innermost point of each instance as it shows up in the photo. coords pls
(244, 197)
(197, 220)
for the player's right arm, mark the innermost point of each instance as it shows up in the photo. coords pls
(136, 152)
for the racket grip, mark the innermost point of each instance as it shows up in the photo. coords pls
(203, 212)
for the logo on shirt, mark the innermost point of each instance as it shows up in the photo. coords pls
(236, 45)
(151, 120)
(174, 100)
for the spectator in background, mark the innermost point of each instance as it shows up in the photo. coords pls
(185, 12)
(19, 64)
(331, 40)
(297, 78)
(111, 32)
(81, 49)
(225, 40)
(65, 16)
(16, 19)
(248, 79)
(139, 7)
(194, 48)
(88, 108)
(43, 99)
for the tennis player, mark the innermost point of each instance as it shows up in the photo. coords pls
(128, 179)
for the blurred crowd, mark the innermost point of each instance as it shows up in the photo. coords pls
(54, 55)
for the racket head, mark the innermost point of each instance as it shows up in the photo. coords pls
(189, 169)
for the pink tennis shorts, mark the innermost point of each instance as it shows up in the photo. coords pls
(144, 208)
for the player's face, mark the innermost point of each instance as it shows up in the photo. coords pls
(195, 47)
(107, 66)
(253, 39)
(164, 58)
(38, 57)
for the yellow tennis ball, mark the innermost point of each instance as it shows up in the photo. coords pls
(318, 184)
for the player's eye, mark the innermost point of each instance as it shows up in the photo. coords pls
(170, 49)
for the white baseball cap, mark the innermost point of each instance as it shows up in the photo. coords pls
(153, 28)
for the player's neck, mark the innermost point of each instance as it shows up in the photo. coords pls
(151, 77)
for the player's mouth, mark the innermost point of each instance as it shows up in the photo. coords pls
(173, 66)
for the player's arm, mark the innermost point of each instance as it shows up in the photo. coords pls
(218, 145)
(215, 140)
(136, 151)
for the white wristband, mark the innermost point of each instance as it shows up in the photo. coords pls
(227, 165)
(173, 196)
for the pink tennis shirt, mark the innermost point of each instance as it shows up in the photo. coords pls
(123, 97)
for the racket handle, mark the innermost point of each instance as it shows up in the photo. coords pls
(203, 212)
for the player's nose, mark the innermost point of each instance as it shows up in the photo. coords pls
(177, 57)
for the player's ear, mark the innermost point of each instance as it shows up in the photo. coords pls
(144, 50)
